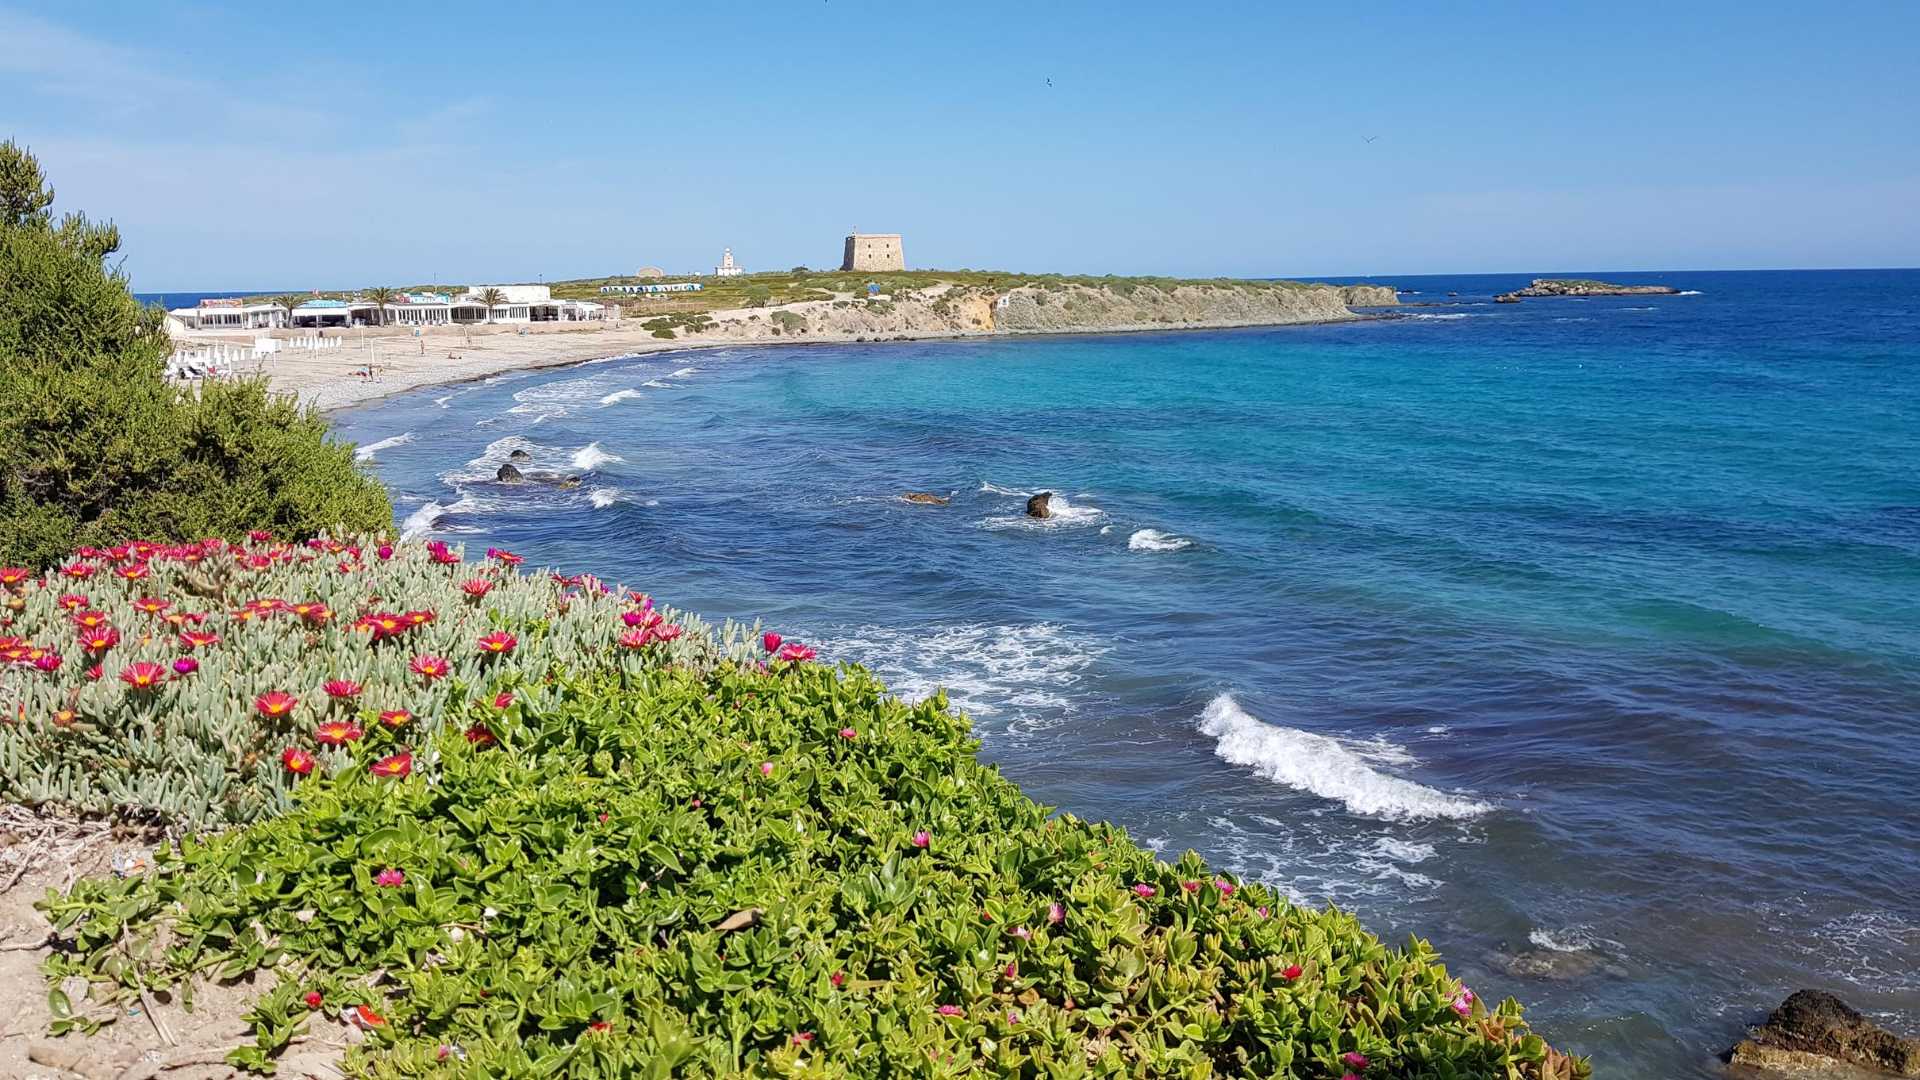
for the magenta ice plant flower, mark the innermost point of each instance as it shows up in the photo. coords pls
(389, 878)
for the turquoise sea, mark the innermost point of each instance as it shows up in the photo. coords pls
(1581, 637)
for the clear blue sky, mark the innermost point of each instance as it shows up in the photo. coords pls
(293, 146)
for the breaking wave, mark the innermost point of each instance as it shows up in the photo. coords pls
(1155, 540)
(1328, 768)
(591, 457)
(620, 395)
(365, 453)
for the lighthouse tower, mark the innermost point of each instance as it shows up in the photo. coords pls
(726, 267)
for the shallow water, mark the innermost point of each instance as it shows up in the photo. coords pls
(1584, 628)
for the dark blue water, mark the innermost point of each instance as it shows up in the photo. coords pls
(1585, 633)
(174, 300)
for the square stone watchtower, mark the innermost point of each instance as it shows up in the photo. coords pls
(873, 251)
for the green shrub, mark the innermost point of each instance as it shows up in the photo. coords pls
(95, 443)
(790, 321)
(781, 873)
(664, 332)
(758, 295)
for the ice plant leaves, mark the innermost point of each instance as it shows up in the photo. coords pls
(614, 884)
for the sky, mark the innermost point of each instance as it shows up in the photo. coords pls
(256, 146)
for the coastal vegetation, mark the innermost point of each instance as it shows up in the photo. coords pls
(97, 443)
(513, 824)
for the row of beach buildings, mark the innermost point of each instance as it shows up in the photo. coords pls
(517, 304)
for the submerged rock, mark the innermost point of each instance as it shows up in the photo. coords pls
(925, 498)
(1554, 964)
(519, 455)
(510, 474)
(1815, 1034)
(1039, 506)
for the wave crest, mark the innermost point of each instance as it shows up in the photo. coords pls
(1155, 540)
(1323, 766)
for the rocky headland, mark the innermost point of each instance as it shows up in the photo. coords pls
(1548, 287)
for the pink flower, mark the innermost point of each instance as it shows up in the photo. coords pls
(838, 979)
(801, 1038)
(1190, 886)
(1262, 909)
(1291, 972)
(297, 761)
(1144, 891)
(498, 643)
(766, 768)
(479, 735)
(1056, 913)
(503, 699)
(770, 641)
(143, 676)
(922, 838)
(1463, 1002)
(186, 665)
(1022, 933)
(1354, 1059)
(476, 587)
(1225, 887)
(1011, 971)
(389, 878)
(313, 999)
(342, 689)
(794, 653)
(848, 733)
(950, 1010)
(429, 667)
(1350, 1076)
(397, 765)
(385, 551)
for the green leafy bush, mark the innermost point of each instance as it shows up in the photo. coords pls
(773, 873)
(96, 443)
(790, 321)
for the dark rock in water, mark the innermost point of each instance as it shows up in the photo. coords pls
(925, 498)
(507, 474)
(1555, 964)
(1815, 1034)
(519, 455)
(1037, 506)
(568, 482)
(1583, 287)
(510, 474)
(1506, 298)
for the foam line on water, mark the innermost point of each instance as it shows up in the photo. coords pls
(620, 395)
(365, 453)
(1322, 766)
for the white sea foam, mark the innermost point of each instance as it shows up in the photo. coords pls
(1064, 515)
(420, 522)
(591, 457)
(620, 395)
(995, 489)
(1155, 540)
(365, 453)
(442, 400)
(1323, 766)
(603, 497)
(1406, 851)
(1453, 315)
(1688, 292)
(657, 384)
(684, 373)
(1021, 676)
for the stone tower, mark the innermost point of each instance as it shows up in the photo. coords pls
(873, 251)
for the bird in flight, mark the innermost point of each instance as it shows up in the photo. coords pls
(1370, 138)
(1049, 82)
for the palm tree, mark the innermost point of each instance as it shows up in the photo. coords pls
(490, 297)
(287, 303)
(379, 296)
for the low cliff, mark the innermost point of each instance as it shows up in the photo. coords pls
(1049, 308)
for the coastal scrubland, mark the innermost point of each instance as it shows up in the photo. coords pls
(439, 816)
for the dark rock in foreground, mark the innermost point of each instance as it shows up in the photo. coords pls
(1582, 287)
(1815, 1034)
(1038, 506)
(507, 474)
(925, 498)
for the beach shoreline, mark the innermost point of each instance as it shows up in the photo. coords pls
(330, 380)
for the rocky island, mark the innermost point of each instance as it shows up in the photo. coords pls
(1580, 287)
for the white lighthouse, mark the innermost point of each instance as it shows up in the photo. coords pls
(726, 267)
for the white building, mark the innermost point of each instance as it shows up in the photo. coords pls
(233, 313)
(726, 267)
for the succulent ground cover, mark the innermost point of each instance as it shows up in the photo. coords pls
(167, 683)
(517, 825)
